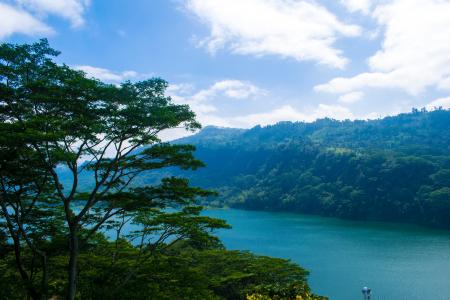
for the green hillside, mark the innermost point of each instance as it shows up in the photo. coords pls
(392, 169)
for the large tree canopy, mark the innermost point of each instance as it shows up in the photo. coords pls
(55, 117)
(114, 238)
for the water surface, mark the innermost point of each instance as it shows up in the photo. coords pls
(399, 262)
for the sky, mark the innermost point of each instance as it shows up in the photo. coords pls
(240, 63)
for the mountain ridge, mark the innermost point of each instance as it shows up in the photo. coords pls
(391, 169)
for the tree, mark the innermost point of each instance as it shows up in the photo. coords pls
(21, 191)
(62, 119)
(186, 271)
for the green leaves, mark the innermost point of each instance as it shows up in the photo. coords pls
(183, 272)
(167, 155)
(54, 117)
(378, 169)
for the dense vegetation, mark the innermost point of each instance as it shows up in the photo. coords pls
(187, 270)
(392, 169)
(113, 238)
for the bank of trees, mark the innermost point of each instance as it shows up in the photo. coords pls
(392, 169)
(347, 184)
(58, 239)
(111, 269)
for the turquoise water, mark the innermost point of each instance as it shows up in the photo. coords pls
(399, 262)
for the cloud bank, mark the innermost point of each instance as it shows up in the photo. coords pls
(302, 30)
(109, 75)
(28, 16)
(15, 20)
(414, 54)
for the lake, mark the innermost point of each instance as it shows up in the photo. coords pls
(399, 262)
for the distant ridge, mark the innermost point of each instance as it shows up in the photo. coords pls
(391, 169)
(395, 169)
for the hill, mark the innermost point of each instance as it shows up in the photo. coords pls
(392, 169)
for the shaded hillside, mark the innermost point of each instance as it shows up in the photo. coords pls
(395, 169)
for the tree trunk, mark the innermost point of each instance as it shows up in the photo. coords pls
(74, 249)
(28, 284)
(18, 257)
(44, 281)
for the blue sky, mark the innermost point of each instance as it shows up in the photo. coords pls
(240, 63)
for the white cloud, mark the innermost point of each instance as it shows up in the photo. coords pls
(441, 102)
(200, 101)
(26, 16)
(357, 5)
(180, 89)
(234, 89)
(283, 113)
(444, 84)
(288, 113)
(415, 51)
(71, 10)
(351, 97)
(203, 104)
(14, 20)
(373, 116)
(108, 75)
(302, 30)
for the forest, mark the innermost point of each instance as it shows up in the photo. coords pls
(114, 238)
(391, 169)
(224, 150)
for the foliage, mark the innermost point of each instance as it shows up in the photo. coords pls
(392, 169)
(53, 117)
(292, 291)
(112, 238)
(110, 270)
